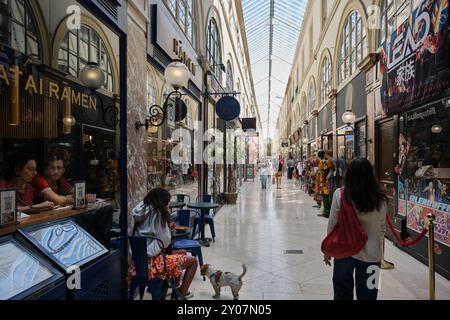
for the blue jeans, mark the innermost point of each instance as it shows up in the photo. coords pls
(344, 281)
(264, 182)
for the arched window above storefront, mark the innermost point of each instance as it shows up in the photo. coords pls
(184, 13)
(392, 14)
(312, 96)
(325, 80)
(214, 49)
(81, 46)
(19, 30)
(230, 80)
(351, 46)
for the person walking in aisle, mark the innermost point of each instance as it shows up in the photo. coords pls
(362, 192)
(264, 175)
(279, 173)
(290, 165)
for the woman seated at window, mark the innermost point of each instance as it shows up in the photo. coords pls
(22, 170)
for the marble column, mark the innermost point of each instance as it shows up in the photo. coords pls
(136, 103)
(333, 97)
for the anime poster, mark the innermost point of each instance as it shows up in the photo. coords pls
(403, 150)
(428, 195)
(415, 60)
(417, 218)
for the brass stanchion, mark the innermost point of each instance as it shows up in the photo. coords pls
(432, 279)
(386, 265)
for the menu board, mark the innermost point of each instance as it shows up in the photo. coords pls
(65, 242)
(21, 270)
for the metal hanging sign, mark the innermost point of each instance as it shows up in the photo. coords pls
(228, 108)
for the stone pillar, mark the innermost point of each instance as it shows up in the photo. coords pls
(333, 97)
(368, 66)
(136, 102)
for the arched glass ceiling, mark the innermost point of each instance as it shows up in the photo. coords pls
(272, 28)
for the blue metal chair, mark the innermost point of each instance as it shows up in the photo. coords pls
(184, 218)
(209, 220)
(157, 287)
(181, 198)
(192, 246)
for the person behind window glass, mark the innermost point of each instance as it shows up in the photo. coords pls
(20, 174)
(52, 186)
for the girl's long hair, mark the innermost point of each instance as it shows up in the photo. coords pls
(361, 186)
(159, 199)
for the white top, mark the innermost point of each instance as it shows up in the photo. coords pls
(374, 223)
(150, 224)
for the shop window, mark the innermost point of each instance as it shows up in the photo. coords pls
(184, 13)
(325, 80)
(214, 52)
(351, 47)
(424, 168)
(82, 46)
(18, 30)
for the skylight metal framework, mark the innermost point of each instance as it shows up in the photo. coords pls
(273, 28)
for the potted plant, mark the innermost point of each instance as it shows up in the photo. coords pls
(232, 195)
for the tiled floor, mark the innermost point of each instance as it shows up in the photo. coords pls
(264, 224)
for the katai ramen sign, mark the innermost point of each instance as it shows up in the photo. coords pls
(415, 60)
(49, 88)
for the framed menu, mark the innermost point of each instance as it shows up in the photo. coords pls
(8, 207)
(80, 195)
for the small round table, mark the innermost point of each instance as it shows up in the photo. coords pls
(203, 206)
(176, 205)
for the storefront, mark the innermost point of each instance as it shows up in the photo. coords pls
(171, 162)
(325, 128)
(415, 90)
(352, 98)
(61, 148)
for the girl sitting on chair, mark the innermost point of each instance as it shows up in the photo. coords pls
(152, 218)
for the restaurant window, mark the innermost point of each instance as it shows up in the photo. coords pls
(19, 30)
(312, 96)
(54, 132)
(81, 46)
(325, 80)
(184, 13)
(351, 47)
(214, 51)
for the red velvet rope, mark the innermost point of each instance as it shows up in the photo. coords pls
(403, 243)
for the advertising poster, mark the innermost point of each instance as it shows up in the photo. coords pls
(415, 60)
(417, 218)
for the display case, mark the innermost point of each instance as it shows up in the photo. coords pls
(65, 243)
(24, 274)
(70, 247)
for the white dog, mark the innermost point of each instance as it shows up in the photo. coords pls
(221, 279)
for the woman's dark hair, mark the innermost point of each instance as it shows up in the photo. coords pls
(361, 186)
(17, 161)
(159, 199)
